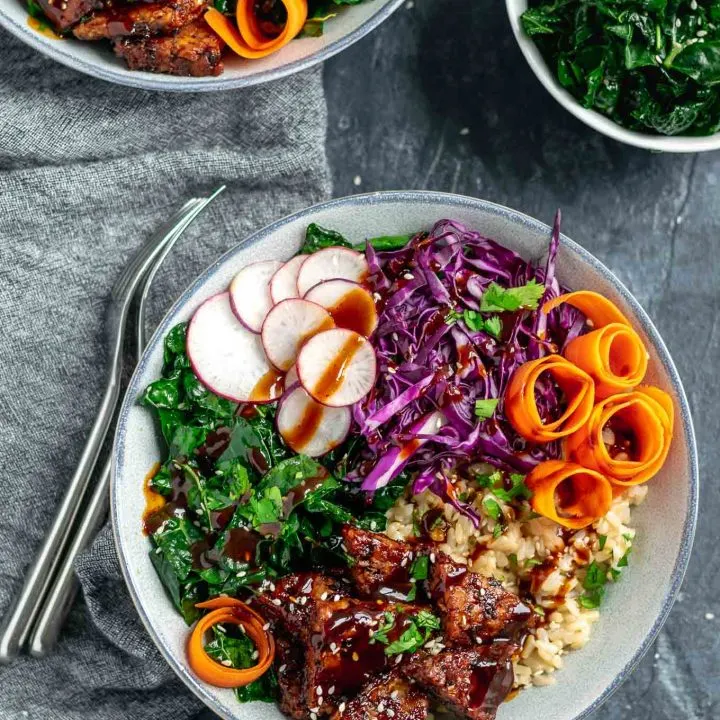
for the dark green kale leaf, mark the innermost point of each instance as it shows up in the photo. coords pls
(237, 650)
(649, 65)
(318, 238)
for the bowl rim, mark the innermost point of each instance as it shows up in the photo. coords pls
(592, 118)
(148, 81)
(431, 197)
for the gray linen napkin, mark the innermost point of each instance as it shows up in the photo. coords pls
(87, 171)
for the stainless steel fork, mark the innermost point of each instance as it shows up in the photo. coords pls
(41, 580)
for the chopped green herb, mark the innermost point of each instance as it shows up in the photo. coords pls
(497, 531)
(532, 562)
(623, 561)
(485, 409)
(525, 297)
(381, 634)
(602, 539)
(493, 509)
(420, 568)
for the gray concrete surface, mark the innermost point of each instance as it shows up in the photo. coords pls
(441, 98)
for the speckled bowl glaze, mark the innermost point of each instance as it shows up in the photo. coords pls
(98, 60)
(635, 608)
(674, 144)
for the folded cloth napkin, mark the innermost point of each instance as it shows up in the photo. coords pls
(88, 171)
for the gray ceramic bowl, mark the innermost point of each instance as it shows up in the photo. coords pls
(98, 60)
(635, 608)
(597, 121)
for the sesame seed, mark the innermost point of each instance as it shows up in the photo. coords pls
(709, 616)
(226, 663)
(432, 557)
(242, 629)
(292, 607)
(409, 276)
(313, 716)
(319, 690)
(395, 337)
(331, 691)
(276, 602)
(390, 712)
(282, 668)
(404, 562)
(336, 598)
(341, 707)
(464, 131)
(266, 626)
(381, 706)
(391, 370)
(357, 180)
(255, 655)
(324, 596)
(272, 587)
(333, 647)
(398, 659)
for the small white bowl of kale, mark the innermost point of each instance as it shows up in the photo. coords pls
(644, 72)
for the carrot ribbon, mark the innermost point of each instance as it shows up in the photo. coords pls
(247, 39)
(235, 612)
(646, 415)
(569, 494)
(612, 354)
(521, 405)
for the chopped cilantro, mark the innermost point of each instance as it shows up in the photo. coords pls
(497, 531)
(602, 539)
(493, 509)
(475, 321)
(518, 490)
(525, 297)
(532, 562)
(381, 634)
(485, 409)
(512, 557)
(420, 568)
(493, 326)
(623, 561)
(426, 620)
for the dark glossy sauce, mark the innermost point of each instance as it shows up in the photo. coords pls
(334, 375)
(433, 525)
(490, 684)
(299, 436)
(625, 440)
(356, 658)
(268, 387)
(355, 311)
(153, 501)
(552, 413)
(174, 505)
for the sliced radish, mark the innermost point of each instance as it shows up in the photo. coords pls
(227, 358)
(250, 293)
(309, 427)
(283, 284)
(337, 367)
(291, 377)
(352, 307)
(288, 325)
(331, 263)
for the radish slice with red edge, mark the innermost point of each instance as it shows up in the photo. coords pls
(290, 324)
(250, 293)
(228, 359)
(308, 427)
(291, 377)
(352, 307)
(337, 367)
(283, 284)
(390, 464)
(331, 263)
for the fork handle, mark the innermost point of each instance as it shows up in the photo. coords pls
(17, 621)
(61, 594)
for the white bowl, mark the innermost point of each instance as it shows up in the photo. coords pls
(635, 608)
(597, 121)
(97, 58)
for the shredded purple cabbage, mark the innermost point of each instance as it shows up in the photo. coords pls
(430, 369)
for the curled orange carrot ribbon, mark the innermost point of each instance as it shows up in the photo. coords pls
(627, 437)
(612, 354)
(521, 406)
(235, 612)
(247, 39)
(569, 494)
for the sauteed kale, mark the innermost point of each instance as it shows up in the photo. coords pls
(227, 469)
(649, 65)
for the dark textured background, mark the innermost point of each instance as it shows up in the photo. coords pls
(441, 98)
